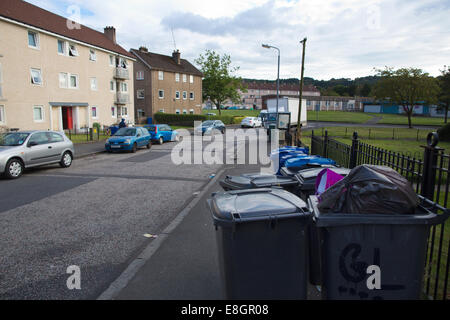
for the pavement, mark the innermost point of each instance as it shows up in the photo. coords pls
(182, 263)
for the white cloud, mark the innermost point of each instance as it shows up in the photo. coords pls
(346, 38)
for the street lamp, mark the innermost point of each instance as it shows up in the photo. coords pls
(278, 74)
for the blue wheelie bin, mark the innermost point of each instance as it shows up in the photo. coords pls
(304, 162)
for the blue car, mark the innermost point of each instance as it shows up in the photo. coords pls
(129, 139)
(162, 133)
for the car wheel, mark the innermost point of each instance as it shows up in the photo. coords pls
(134, 149)
(66, 160)
(14, 169)
(161, 140)
(149, 145)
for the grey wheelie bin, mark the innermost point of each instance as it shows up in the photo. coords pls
(254, 181)
(353, 246)
(262, 243)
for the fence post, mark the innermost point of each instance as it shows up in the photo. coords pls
(430, 158)
(325, 145)
(354, 151)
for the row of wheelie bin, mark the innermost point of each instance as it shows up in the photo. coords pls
(274, 238)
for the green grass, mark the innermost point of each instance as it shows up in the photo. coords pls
(235, 113)
(82, 138)
(403, 119)
(339, 116)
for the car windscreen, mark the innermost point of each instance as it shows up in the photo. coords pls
(125, 132)
(151, 128)
(207, 123)
(13, 139)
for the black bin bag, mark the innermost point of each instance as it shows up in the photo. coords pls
(370, 189)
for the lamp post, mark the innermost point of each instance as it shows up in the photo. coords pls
(278, 75)
(299, 127)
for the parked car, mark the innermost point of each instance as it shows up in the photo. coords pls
(162, 133)
(251, 122)
(209, 126)
(129, 139)
(210, 114)
(27, 149)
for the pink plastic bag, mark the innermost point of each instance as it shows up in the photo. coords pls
(326, 179)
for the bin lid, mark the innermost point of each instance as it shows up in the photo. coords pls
(249, 181)
(256, 204)
(291, 172)
(307, 178)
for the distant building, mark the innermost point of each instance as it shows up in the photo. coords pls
(56, 77)
(392, 108)
(165, 84)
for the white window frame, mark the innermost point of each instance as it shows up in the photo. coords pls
(92, 55)
(177, 77)
(96, 112)
(177, 111)
(140, 94)
(77, 81)
(185, 111)
(160, 75)
(177, 95)
(42, 113)
(122, 86)
(73, 52)
(92, 81)
(184, 95)
(140, 75)
(159, 96)
(191, 95)
(36, 39)
(161, 110)
(40, 75)
(64, 53)
(113, 60)
(191, 111)
(66, 84)
(122, 114)
(191, 78)
(114, 111)
(113, 86)
(2, 114)
(184, 78)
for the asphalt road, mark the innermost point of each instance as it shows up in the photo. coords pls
(93, 215)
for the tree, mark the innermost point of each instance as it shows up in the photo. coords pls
(406, 87)
(219, 83)
(365, 90)
(444, 92)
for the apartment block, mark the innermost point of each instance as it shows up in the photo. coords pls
(56, 74)
(165, 84)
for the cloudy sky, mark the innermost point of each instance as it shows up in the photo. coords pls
(346, 38)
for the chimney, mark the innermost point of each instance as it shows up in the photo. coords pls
(143, 49)
(176, 57)
(110, 33)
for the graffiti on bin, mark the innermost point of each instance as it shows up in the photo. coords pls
(356, 271)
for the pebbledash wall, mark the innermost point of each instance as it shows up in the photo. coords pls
(50, 105)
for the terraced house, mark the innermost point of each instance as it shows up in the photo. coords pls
(165, 84)
(57, 74)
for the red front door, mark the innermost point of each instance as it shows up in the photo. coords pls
(67, 118)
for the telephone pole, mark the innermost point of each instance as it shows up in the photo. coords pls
(299, 126)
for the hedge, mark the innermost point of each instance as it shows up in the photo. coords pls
(444, 132)
(188, 119)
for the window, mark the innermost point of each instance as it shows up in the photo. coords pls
(140, 94)
(123, 87)
(191, 111)
(161, 94)
(94, 85)
(94, 112)
(184, 95)
(123, 63)
(61, 47)
(177, 77)
(33, 40)
(124, 111)
(92, 55)
(140, 75)
(177, 111)
(140, 113)
(1, 81)
(40, 138)
(160, 75)
(112, 61)
(184, 111)
(112, 86)
(73, 81)
(161, 110)
(73, 52)
(55, 137)
(38, 113)
(184, 78)
(113, 112)
(36, 77)
(2, 115)
(177, 94)
(191, 95)
(63, 80)
(191, 79)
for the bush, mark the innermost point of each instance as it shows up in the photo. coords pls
(238, 120)
(96, 125)
(188, 119)
(444, 132)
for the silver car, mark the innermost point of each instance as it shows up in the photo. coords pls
(27, 149)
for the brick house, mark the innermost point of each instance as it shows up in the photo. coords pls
(165, 84)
